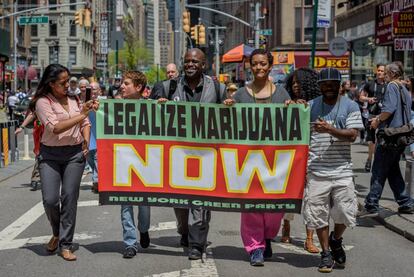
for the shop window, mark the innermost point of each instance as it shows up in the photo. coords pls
(34, 53)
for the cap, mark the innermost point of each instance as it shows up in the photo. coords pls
(329, 74)
(73, 79)
(232, 87)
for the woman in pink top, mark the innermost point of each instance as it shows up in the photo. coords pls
(63, 147)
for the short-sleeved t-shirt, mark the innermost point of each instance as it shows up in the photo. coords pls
(392, 104)
(280, 95)
(330, 157)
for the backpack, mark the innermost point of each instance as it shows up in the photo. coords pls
(171, 87)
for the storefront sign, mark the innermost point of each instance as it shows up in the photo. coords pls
(384, 19)
(323, 59)
(404, 44)
(240, 158)
(403, 24)
(283, 64)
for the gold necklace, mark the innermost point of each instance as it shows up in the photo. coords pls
(270, 94)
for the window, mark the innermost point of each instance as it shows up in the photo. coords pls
(298, 25)
(34, 54)
(308, 28)
(308, 2)
(52, 28)
(73, 8)
(72, 55)
(33, 31)
(72, 28)
(53, 54)
(52, 2)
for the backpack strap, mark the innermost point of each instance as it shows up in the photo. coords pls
(217, 89)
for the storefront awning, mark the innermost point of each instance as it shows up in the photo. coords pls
(237, 54)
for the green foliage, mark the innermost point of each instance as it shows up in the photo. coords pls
(134, 55)
(151, 74)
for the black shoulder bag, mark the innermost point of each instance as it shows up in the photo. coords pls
(397, 137)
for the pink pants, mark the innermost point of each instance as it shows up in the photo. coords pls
(255, 228)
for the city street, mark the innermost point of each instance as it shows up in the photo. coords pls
(372, 249)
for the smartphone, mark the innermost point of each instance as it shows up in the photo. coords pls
(88, 94)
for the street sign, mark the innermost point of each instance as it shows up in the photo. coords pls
(324, 14)
(266, 32)
(338, 46)
(32, 20)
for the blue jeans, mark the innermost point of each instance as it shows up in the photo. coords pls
(92, 160)
(386, 166)
(128, 224)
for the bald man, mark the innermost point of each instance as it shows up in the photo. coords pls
(172, 71)
(194, 86)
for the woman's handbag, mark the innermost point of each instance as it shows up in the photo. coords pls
(397, 137)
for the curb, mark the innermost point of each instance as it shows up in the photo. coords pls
(396, 223)
(14, 169)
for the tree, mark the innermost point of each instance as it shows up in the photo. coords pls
(134, 55)
(152, 74)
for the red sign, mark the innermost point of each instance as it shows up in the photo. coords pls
(403, 24)
(384, 19)
(323, 59)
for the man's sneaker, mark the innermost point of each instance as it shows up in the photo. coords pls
(337, 251)
(406, 209)
(256, 257)
(129, 253)
(364, 213)
(368, 166)
(144, 240)
(268, 253)
(327, 263)
(184, 240)
(195, 253)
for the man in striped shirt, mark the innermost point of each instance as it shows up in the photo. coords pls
(330, 190)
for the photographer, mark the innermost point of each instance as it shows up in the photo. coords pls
(394, 113)
(373, 94)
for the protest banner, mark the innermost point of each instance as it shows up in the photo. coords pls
(242, 158)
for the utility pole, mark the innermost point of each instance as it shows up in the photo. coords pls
(116, 58)
(257, 19)
(314, 30)
(217, 48)
(15, 46)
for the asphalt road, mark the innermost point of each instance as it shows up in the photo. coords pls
(372, 249)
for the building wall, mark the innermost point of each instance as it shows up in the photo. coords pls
(83, 41)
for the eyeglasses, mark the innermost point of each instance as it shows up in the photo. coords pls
(62, 83)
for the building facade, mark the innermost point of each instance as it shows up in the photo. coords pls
(16, 73)
(62, 41)
(367, 25)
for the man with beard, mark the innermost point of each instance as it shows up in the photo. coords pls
(194, 86)
(330, 190)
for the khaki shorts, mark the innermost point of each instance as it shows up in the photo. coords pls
(326, 198)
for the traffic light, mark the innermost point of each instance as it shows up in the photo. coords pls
(79, 17)
(87, 20)
(194, 33)
(201, 34)
(186, 21)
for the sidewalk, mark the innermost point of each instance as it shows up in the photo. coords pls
(402, 224)
(15, 169)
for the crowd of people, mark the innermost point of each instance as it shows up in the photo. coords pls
(64, 109)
